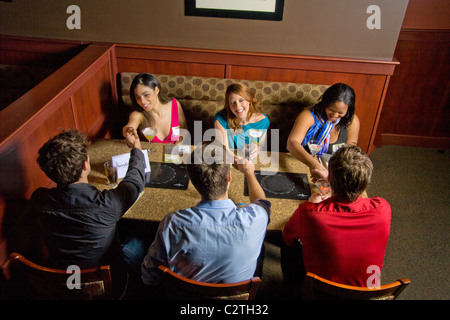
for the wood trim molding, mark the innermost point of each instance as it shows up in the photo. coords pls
(424, 35)
(74, 111)
(373, 136)
(37, 45)
(414, 141)
(283, 61)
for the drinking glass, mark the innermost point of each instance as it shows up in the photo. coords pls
(150, 133)
(324, 187)
(250, 151)
(110, 172)
(314, 148)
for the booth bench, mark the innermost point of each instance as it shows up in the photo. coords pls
(202, 97)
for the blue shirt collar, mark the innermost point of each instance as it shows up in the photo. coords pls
(215, 204)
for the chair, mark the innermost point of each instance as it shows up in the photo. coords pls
(318, 288)
(52, 284)
(180, 288)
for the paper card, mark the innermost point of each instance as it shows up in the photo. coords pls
(121, 163)
(176, 153)
(175, 133)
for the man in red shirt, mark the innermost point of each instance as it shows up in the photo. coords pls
(344, 236)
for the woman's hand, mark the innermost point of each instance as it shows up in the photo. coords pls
(130, 130)
(132, 141)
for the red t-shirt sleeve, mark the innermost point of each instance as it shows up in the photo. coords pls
(291, 231)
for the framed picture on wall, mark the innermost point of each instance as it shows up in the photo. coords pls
(248, 9)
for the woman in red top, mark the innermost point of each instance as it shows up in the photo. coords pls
(155, 110)
(344, 236)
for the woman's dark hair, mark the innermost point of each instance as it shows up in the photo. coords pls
(338, 92)
(62, 157)
(147, 80)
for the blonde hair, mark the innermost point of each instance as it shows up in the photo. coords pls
(245, 92)
(350, 171)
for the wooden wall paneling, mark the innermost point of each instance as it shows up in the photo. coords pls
(13, 183)
(134, 53)
(368, 78)
(56, 122)
(373, 137)
(46, 109)
(19, 173)
(171, 67)
(416, 108)
(113, 76)
(43, 46)
(56, 88)
(96, 99)
(414, 141)
(305, 63)
(93, 102)
(427, 79)
(42, 52)
(74, 112)
(368, 89)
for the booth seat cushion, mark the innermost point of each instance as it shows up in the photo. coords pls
(203, 97)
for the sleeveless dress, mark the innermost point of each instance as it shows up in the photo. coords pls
(342, 139)
(320, 130)
(174, 133)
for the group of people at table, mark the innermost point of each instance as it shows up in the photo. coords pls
(215, 241)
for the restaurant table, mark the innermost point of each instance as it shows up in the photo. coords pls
(155, 203)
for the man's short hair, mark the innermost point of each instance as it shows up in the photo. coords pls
(62, 157)
(350, 171)
(208, 170)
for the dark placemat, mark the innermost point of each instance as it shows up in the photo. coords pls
(283, 185)
(167, 176)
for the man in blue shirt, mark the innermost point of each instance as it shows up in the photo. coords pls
(214, 241)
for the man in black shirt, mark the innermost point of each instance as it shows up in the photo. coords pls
(78, 222)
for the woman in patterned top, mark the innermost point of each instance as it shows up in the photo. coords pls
(332, 122)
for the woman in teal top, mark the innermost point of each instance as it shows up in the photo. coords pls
(240, 122)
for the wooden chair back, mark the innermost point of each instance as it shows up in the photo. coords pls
(52, 284)
(178, 287)
(318, 288)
